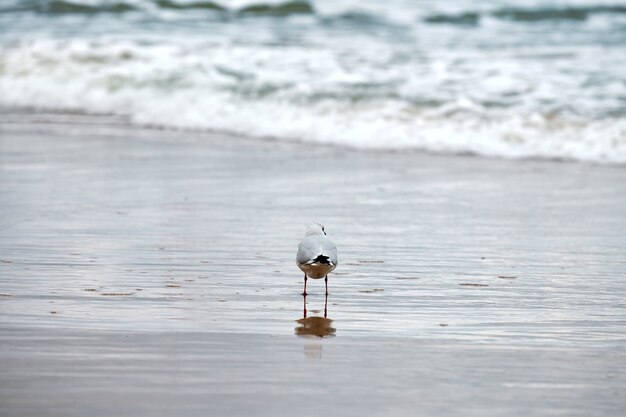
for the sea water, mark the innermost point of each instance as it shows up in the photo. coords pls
(511, 79)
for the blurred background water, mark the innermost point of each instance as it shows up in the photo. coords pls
(519, 78)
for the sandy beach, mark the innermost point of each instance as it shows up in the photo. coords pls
(149, 272)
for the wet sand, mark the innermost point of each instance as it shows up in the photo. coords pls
(147, 272)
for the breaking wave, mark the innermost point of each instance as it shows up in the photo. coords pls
(537, 78)
(69, 7)
(185, 88)
(526, 14)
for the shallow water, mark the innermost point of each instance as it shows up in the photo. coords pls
(110, 228)
(182, 374)
(152, 273)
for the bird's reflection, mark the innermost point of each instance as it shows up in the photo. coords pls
(315, 325)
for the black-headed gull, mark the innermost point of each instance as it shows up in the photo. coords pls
(317, 254)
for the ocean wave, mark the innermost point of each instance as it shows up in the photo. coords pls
(540, 14)
(466, 18)
(53, 7)
(286, 8)
(253, 91)
(281, 9)
(67, 6)
(352, 16)
(207, 5)
(379, 128)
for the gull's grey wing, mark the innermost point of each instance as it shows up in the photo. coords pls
(331, 252)
(308, 249)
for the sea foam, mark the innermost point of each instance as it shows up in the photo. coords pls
(365, 90)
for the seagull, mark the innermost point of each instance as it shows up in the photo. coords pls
(317, 254)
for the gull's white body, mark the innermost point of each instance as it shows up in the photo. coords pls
(317, 254)
(309, 249)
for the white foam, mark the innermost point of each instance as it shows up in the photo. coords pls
(300, 94)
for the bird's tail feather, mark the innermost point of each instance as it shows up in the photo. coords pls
(322, 259)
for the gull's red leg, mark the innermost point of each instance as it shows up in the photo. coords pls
(304, 300)
(304, 293)
(326, 282)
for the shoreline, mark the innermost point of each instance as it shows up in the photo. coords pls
(124, 123)
(153, 272)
